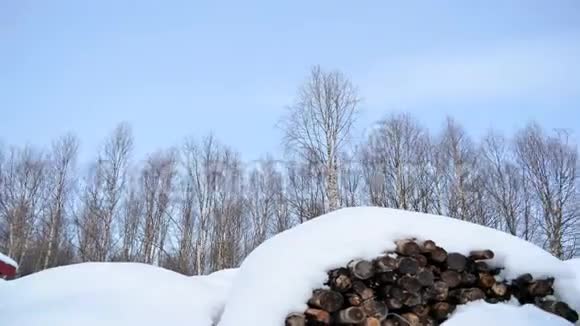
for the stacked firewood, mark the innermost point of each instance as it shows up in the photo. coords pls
(419, 284)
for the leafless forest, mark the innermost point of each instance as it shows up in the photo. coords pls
(199, 207)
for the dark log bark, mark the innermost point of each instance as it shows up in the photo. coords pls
(541, 288)
(339, 280)
(426, 278)
(422, 311)
(468, 279)
(486, 281)
(482, 266)
(295, 320)
(439, 255)
(412, 299)
(441, 310)
(409, 284)
(463, 296)
(317, 315)
(560, 309)
(481, 255)
(524, 279)
(362, 290)
(385, 264)
(456, 261)
(408, 265)
(451, 278)
(408, 247)
(361, 269)
(394, 303)
(421, 260)
(376, 309)
(386, 278)
(428, 246)
(351, 315)
(330, 301)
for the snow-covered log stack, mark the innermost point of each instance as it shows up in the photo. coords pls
(419, 284)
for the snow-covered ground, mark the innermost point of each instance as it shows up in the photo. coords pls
(280, 274)
(277, 278)
(113, 294)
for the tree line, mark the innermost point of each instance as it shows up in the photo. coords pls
(197, 207)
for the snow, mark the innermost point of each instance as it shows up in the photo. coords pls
(279, 275)
(7, 260)
(483, 314)
(113, 294)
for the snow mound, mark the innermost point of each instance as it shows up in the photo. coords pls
(7, 260)
(484, 314)
(280, 274)
(113, 294)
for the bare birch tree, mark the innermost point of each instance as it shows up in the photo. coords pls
(550, 163)
(61, 181)
(319, 123)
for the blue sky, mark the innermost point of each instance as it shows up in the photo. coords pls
(184, 68)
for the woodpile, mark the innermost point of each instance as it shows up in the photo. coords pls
(419, 284)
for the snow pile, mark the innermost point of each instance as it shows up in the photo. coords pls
(280, 274)
(8, 261)
(481, 313)
(96, 294)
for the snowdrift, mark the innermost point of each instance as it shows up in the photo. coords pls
(279, 275)
(113, 294)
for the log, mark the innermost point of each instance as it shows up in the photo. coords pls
(428, 246)
(451, 278)
(385, 264)
(362, 290)
(426, 278)
(408, 265)
(486, 281)
(468, 279)
(441, 310)
(560, 309)
(392, 321)
(351, 315)
(354, 299)
(317, 315)
(295, 320)
(393, 303)
(541, 288)
(499, 290)
(361, 269)
(407, 247)
(386, 278)
(422, 311)
(456, 261)
(409, 284)
(439, 255)
(411, 319)
(464, 296)
(481, 255)
(481, 266)
(328, 300)
(421, 260)
(439, 292)
(524, 279)
(339, 280)
(412, 299)
(376, 309)
(370, 321)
